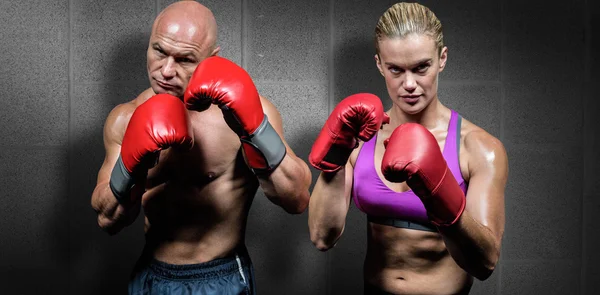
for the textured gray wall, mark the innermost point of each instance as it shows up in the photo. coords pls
(524, 70)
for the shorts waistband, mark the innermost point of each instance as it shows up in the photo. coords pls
(399, 223)
(207, 270)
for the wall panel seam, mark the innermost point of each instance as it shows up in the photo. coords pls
(331, 103)
(244, 33)
(586, 84)
(69, 137)
(502, 116)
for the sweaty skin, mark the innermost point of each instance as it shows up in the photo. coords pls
(195, 202)
(407, 261)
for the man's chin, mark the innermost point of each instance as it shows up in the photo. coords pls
(159, 90)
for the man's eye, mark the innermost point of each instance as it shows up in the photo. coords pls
(184, 60)
(394, 70)
(160, 51)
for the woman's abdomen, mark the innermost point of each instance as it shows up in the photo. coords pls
(407, 261)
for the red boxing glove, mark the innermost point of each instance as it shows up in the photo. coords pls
(413, 155)
(219, 81)
(157, 124)
(360, 115)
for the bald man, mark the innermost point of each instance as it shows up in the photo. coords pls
(193, 174)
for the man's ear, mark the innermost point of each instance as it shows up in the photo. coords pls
(215, 51)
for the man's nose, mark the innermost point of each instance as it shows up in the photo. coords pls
(168, 70)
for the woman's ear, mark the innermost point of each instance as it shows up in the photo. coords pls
(443, 58)
(378, 63)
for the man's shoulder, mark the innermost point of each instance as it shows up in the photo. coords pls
(121, 113)
(267, 104)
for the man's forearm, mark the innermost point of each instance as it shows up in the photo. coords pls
(112, 215)
(287, 186)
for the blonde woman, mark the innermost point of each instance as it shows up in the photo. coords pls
(431, 183)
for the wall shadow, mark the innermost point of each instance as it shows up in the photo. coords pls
(355, 70)
(99, 263)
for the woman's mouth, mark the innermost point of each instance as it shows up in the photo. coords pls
(410, 99)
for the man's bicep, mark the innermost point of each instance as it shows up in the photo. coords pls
(113, 131)
(275, 120)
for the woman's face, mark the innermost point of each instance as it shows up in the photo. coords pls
(410, 66)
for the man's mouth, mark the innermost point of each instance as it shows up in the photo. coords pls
(165, 85)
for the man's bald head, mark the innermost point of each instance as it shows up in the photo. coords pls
(183, 34)
(190, 21)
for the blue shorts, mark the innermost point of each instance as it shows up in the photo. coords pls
(373, 290)
(227, 276)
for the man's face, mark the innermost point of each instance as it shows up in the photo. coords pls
(410, 66)
(173, 53)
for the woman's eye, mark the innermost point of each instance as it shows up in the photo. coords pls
(422, 68)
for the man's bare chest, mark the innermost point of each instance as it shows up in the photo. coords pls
(216, 151)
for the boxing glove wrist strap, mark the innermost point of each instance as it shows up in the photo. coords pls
(446, 203)
(264, 148)
(121, 182)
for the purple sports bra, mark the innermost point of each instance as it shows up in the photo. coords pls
(376, 199)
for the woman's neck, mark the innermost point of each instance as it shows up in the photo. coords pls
(430, 117)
